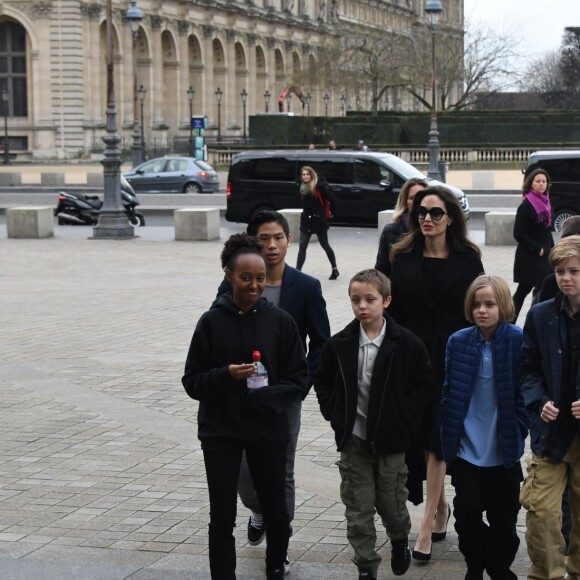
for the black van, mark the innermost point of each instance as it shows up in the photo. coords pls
(563, 167)
(364, 183)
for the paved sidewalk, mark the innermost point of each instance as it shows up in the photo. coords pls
(101, 473)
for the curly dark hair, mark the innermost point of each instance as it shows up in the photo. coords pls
(236, 245)
(457, 231)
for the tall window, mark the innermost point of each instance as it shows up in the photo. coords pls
(13, 67)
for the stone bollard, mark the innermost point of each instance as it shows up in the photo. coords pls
(385, 218)
(499, 228)
(197, 223)
(293, 217)
(30, 222)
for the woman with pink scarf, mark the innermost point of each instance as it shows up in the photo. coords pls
(533, 233)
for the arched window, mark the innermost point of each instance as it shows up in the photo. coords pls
(13, 67)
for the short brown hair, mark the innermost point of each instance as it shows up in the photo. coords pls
(568, 247)
(571, 226)
(502, 293)
(374, 277)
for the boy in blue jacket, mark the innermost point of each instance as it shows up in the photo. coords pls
(483, 427)
(550, 377)
(374, 377)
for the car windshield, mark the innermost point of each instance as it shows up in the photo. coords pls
(203, 165)
(404, 169)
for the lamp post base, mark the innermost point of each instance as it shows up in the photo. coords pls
(113, 224)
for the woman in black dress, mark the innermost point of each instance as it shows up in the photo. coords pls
(314, 192)
(533, 233)
(432, 268)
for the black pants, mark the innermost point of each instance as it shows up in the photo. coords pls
(520, 295)
(268, 468)
(495, 490)
(305, 240)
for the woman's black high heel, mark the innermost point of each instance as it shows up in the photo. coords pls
(440, 536)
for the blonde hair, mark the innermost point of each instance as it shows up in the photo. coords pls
(313, 180)
(568, 247)
(401, 206)
(502, 294)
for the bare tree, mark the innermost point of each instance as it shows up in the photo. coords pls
(486, 64)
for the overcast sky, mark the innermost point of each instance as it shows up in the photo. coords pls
(540, 23)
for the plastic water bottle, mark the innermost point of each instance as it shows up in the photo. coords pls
(260, 378)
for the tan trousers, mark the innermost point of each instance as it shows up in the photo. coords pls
(541, 496)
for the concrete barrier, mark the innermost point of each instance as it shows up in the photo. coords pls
(52, 180)
(499, 228)
(30, 222)
(10, 179)
(293, 217)
(385, 218)
(95, 180)
(200, 223)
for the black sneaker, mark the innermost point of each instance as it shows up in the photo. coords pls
(277, 574)
(366, 575)
(400, 557)
(255, 533)
(335, 274)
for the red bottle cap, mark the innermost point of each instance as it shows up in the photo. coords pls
(256, 355)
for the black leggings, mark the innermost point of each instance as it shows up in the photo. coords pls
(305, 240)
(520, 295)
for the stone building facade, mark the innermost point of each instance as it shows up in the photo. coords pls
(53, 65)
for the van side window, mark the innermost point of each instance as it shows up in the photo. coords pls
(337, 171)
(269, 169)
(367, 172)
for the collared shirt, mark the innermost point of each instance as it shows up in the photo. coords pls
(367, 354)
(479, 443)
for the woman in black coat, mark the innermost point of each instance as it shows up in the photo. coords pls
(393, 232)
(432, 268)
(533, 233)
(314, 192)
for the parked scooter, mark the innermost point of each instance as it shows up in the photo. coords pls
(79, 209)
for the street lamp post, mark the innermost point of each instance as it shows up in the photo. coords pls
(433, 8)
(267, 96)
(358, 102)
(5, 111)
(326, 100)
(343, 105)
(308, 100)
(244, 96)
(141, 92)
(190, 93)
(113, 222)
(135, 17)
(218, 95)
(288, 101)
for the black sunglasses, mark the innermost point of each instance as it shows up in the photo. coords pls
(436, 213)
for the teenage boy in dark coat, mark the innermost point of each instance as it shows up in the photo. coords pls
(374, 377)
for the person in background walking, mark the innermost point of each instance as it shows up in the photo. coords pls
(314, 192)
(432, 268)
(484, 424)
(393, 232)
(231, 418)
(532, 231)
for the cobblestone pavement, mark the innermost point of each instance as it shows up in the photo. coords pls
(101, 473)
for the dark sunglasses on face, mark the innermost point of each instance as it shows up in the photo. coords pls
(436, 213)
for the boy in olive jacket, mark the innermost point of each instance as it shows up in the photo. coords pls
(374, 378)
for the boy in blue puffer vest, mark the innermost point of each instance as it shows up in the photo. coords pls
(483, 427)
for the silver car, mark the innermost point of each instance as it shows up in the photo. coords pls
(173, 174)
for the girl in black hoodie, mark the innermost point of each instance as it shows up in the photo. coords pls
(231, 419)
